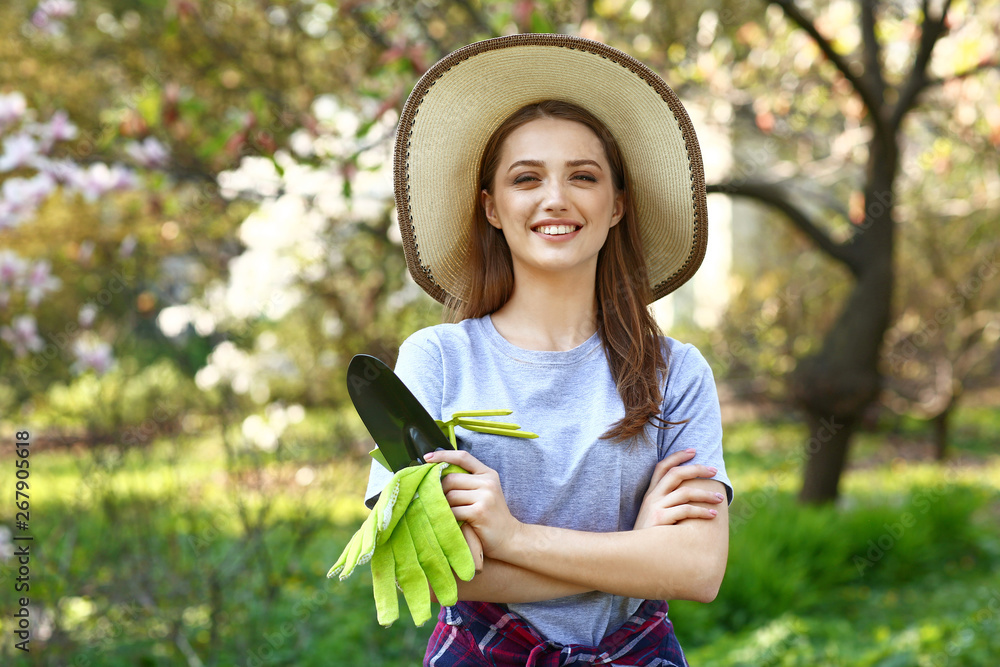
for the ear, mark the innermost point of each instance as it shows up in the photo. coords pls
(619, 211)
(489, 206)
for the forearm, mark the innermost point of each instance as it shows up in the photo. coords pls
(685, 560)
(503, 582)
(659, 563)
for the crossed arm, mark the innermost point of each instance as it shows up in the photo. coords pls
(677, 550)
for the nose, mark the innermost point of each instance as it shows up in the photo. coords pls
(555, 196)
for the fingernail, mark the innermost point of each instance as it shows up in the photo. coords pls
(428, 456)
(713, 470)
(719, 496)
(713, 512)
(690, 450)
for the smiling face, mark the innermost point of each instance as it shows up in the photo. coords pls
(553, 197)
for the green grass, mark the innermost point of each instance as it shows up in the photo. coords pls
(155, 554)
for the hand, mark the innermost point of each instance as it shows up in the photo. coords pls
(668, 500)
(477, 499)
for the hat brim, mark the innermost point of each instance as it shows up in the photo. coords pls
(458, 104)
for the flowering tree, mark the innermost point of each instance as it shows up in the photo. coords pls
(32, 173)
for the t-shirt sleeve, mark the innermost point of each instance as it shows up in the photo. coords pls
(691, 395)
(419, 367)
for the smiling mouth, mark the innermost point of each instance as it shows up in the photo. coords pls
(557, 230)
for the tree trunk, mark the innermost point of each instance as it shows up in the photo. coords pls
(940, 423)
(835, 386)
(829, 439)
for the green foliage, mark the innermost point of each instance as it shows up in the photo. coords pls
(127, 403)
(789, 557)
(180, 547)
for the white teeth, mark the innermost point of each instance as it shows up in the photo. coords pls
(557, 229)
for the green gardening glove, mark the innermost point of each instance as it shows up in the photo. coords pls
(424, 548)
(391, 505)
(444, 528)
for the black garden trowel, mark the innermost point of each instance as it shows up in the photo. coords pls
(399, 424)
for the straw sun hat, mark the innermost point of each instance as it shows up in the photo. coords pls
(461, 100)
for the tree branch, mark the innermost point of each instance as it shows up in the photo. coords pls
(477, 17)
(776, 196)
(931, 31)
(981, 67)
(859, 85)
(872, 51)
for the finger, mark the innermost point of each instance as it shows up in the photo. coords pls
(463, 497)
(400, 497)
(673, 477)
(446, 530)
(475, 546)
(669, 462)
(465, 482)
(349, 559)
(461, 458)
(367, 536)
(341, 563)
(672, 515)
(432, 560)
(410, 577)
(384, 585)
(689, 494)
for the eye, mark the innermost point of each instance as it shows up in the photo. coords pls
(525, 178)
(585, 177)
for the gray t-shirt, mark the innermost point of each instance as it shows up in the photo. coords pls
(568, 477)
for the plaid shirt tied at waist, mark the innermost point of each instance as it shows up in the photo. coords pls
(483, 634)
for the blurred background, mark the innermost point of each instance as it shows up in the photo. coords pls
(197, 232)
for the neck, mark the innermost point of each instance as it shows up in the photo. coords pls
(549, 311)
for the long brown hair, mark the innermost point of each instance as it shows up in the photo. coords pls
(628, 332)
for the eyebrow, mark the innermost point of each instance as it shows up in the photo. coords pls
(569, 163)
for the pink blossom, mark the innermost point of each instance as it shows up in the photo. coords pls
(59, 128)
(18, 151)
(20, 197)
(91, 353)
(58, 9)
(101, 179)
(12, 108)
(48, 15)
(127, 247)
(62, 171)
(9, 215)
(85, 253)
(150, 153)
(88, 312)
(22, 336)
(39, 281)
(12, 268)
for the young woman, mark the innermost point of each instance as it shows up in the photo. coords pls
(549, 188)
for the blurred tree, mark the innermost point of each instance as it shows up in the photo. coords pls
(876, 73)
(946, 338)
(226, 87)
